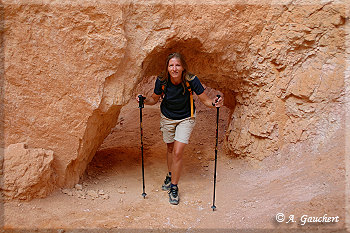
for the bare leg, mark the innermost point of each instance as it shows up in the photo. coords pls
(176, 166)
(170, 148)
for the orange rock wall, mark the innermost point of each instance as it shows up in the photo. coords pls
(70, 67)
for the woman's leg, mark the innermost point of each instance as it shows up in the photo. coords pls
(176, 163)
(170, 149)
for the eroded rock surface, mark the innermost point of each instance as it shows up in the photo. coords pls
(26, 171)
(70, 67)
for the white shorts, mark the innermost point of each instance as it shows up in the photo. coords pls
(179, 130)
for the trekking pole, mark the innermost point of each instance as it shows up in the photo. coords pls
(141, 106)
(216, 151)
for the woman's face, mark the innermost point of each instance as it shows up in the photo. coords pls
(175, 68)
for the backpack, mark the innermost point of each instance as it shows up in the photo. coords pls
(189, 77)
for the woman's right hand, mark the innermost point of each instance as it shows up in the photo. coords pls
(138, 98)
(148, 101)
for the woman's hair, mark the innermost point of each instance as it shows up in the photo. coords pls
(185, 73)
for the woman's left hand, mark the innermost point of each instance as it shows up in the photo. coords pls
(211, 103)
(218, 102)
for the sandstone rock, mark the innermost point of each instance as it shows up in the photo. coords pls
(27, 172)
(65, 191)
(101, 192)
(92, 193)
(59, 111)
(71, 67)
(78, 187)
(71, 193)
(121, 191)
(80, 193)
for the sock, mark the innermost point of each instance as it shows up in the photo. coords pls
(173, 185)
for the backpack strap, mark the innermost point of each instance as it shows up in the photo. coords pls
(190, 78)
(163, 85)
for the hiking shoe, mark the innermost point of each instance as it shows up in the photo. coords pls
(174, 195)
(167, 182)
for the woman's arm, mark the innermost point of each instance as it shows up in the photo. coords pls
(209, 102)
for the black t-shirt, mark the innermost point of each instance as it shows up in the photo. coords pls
(176, 104)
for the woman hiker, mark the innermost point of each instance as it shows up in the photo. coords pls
(176, 85)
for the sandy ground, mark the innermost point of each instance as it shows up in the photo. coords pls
(249, 193)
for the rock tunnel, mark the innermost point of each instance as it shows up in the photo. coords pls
(204, 65)
(279, 66)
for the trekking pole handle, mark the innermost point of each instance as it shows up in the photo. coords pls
(141, 101)
(218, 99)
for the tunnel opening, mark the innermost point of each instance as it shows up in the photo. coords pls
(120, 155)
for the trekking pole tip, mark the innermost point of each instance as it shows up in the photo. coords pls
(144, 195)
(213, 207)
